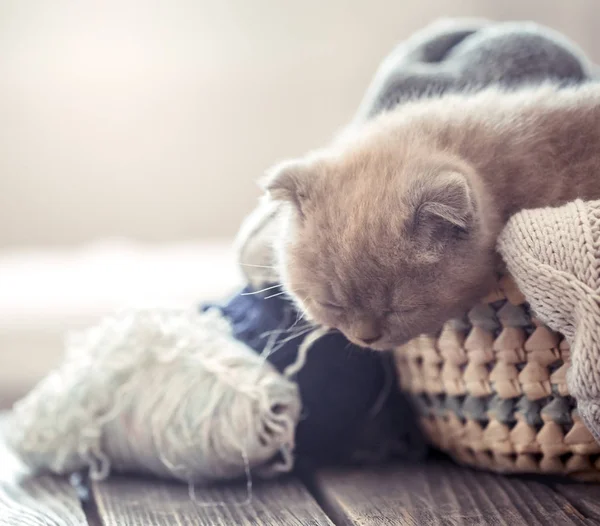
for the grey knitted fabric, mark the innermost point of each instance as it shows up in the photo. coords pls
(470, 54)
(554, 256)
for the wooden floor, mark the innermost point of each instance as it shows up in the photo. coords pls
(434, 493)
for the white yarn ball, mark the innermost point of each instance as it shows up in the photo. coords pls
(159, 391)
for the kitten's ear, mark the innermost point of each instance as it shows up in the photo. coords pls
(289, 181)
(443, 208)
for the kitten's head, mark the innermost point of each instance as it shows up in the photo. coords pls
(379, 242)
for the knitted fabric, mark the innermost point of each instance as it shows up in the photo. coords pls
(467, 54)
(554, 256)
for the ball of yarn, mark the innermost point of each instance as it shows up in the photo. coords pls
(165, 392)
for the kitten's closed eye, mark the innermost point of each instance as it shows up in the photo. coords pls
(409, 309)
(405, 310)
(330, 305)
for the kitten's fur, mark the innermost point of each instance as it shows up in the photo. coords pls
(391, 230)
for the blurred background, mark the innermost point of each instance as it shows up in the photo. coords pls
(132, 134)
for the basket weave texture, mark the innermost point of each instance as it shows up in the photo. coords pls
(491, 391)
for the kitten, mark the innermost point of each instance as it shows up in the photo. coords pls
(391, 231)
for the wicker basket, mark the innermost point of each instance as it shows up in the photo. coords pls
(491, 391)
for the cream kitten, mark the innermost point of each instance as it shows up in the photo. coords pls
(391, 231)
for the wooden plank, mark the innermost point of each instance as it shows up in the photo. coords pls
(26, 500)
(583, 497)
(439, 493)
(128, 501)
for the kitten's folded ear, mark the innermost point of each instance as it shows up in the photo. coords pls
(443, 208)
(289, 181)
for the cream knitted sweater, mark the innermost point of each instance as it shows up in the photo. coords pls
(554, 256)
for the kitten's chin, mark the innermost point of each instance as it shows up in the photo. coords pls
(377, 346)
(382, 347)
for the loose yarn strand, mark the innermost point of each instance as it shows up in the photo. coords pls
(220, 503)
(305, 346)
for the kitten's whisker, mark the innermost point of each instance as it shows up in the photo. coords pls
(258, 266)
(301, 313)
(299, 316)
(275, 295)
(271, 349)
(261, 290)
(272, 339)
(284, 331)
(281, 343)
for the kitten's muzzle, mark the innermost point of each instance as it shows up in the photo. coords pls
(370, 341)
(366, 332)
